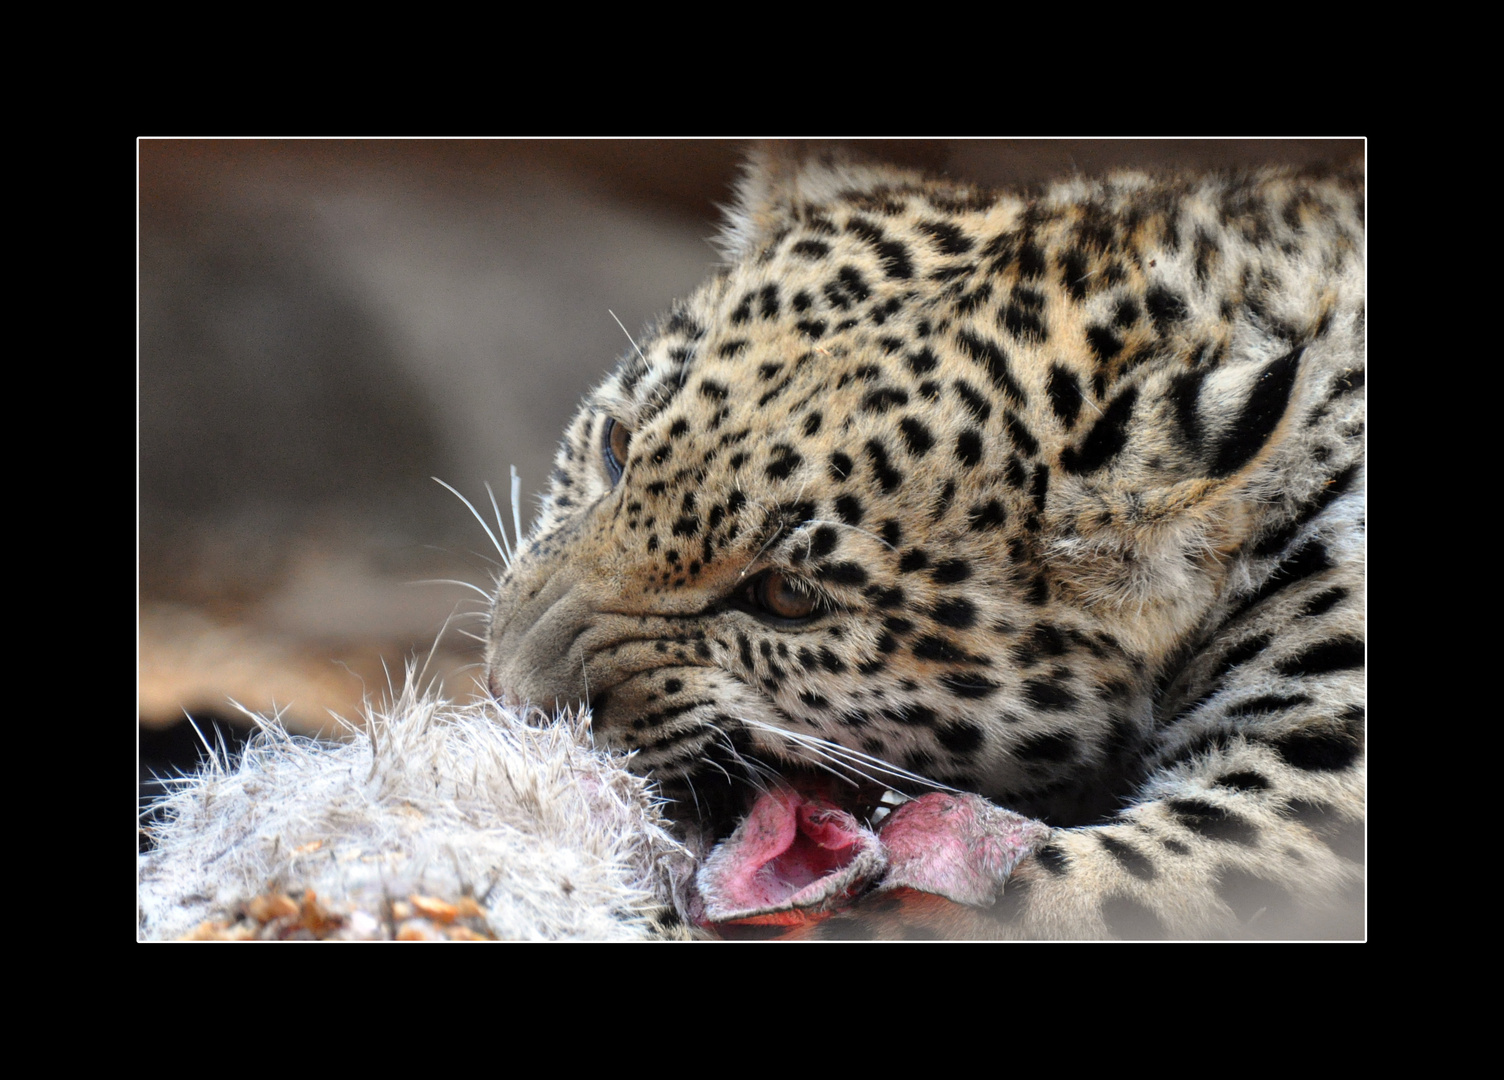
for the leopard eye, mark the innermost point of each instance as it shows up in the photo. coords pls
(616, 440)
(772, 593)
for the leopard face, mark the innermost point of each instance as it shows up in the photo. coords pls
(986, 489)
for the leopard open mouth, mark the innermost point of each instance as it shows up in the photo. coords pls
(811, 844)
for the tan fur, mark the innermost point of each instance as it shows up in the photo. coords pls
(1064, 472)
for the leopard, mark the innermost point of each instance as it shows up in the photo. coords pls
(1053, 496)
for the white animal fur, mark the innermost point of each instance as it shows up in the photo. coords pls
(553, 838)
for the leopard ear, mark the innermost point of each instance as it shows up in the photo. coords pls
(781, 180)
(761, 200)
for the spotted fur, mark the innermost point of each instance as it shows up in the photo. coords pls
(1055, 497)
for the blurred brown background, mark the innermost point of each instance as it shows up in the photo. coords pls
(324, 325)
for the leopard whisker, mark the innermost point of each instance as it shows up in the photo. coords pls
(516, 503)
(501, 529)
(624, 330)
(848, 758)
(454, 581)
(505, 559)
(753, 561)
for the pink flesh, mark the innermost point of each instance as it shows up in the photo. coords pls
(791, 852)
(957, 846)
(795, 852)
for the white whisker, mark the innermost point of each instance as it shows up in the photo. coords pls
(454, 581)
(471, 507)
(624, 330)
(501, 529)
(517, 504)
(848, 757)
(760, 550)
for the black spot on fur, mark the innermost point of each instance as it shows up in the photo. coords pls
(1052, 857)
(916, 435)
(957, 612)
(1165, 308)
(990, 356)
(1340, 654)
(882, 399)
(897, 626)
(1065, 395)
(849, 509)
(1042, 641)
(786, 460)
(1106, 438)
(942, 503)
(1128, 857)
(888, 478)
(1214, 822)
(1049, 696)
(823, 542)
(913, 559)
(1323, 602)
(939, 649)
(1104, 342)
(1075, 273)
(844, 573)
(965, 685)
(960, 738)
(893, 255)
(847, 290)
(1022, 437)
(768, 308)
(1240, 654)
(946, 573)
(988, 515)
(948, 238)
(975, 403)
(1243, 780)
(1031, 262)
(1260, 415)
(969, 447)
(922, 362)
(1020, 322)
(1040, 488)
(1185, 395)
(1267, 703)
(1318, 751)
(1050, 746)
